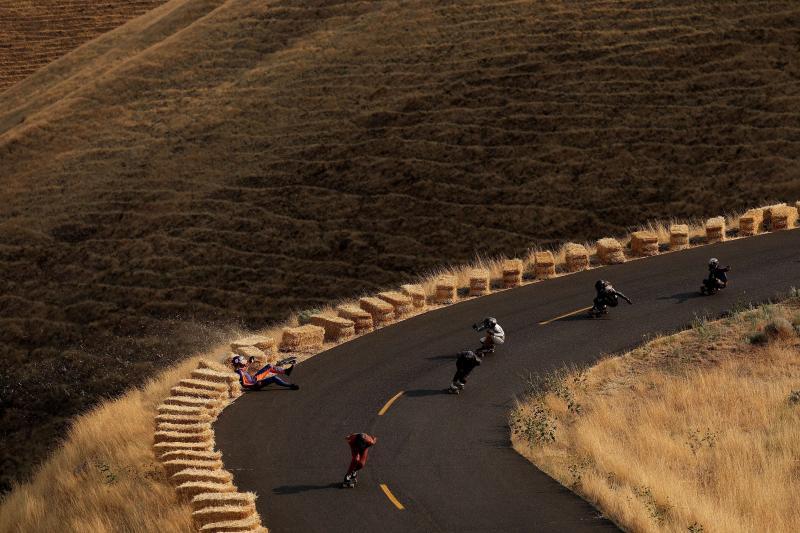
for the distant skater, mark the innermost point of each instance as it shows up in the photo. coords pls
(360, 444)
(607, 296)
(267, 375)
(494, 335)
(465, 363)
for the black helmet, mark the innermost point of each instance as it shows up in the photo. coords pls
(600, 284)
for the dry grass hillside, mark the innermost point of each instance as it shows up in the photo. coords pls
(698, 431)
(216, 163)
(32, 34)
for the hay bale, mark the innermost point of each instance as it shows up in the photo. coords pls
(161, 448)
(183, 410)
(198, 475)
(307, 339)
(445, 290)
(222, 513)
(251, 523)
(545, 264)
(192, 401)
(207, 374)
(362, 321)
(179, 390)
(751, 222)
(783, 217)
(512, 273)
(644, 243)
(382, 312)
(177, 436)
(336, 328)
(183, 428)
(173, 466)
(400, 302)
(250, 351)
(609, 251)
(212, 365)
(262, 342)
(479, 282)
(214, 386)
(171, 418)
(576, 257)
(216, 499)
(192, 489)
(678, 236)
(197, 455)
(715, 229)
(416, 293)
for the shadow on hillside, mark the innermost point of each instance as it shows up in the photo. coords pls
(681, 297)
(284, 490)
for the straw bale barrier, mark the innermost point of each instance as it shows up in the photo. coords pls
(400, 302)
(382, 312)
(166, 409)
(416, 293)
(161, 448)
(214, 386)
(192, 401)
(170, 418)
(173, 466)
(206, 374)
(512, 273)
(445, 290)
(715, 229)
(215, 499)
(362, 321)
(177, 436)
(336, 328)
(609, 251)
(576, 257)
(192, 489)
(234, 526)
(644, 243)
(250, 351)
(222, 513)
(262, 342)
(479, 282)
(179, 390)
(212, 365)
(197, 474)
(199, 455)
(545, 264)
(307, 338)
(182, 428)
(751, 222)
(783, 217)
(678, 236)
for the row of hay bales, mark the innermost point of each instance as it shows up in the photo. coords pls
(184, 443)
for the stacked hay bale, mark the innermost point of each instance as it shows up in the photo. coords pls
(678, 236)
(259, 347)
(303, 339)
(512, 273)
(576, 257)
(783, 217)
(183, 442)
(382, 312)
(545, 264)
(362, 321)
(445, 290)
(416, 293)
(751, 222)
(644, 243)
(479, 282)
(336, 328)
(715, 229)
(609, 251)
(399, 301)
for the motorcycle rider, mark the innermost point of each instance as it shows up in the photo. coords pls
(494, 335)
(717, 275)
(465, 363)
(606, 297)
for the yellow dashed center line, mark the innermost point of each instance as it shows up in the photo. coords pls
(545, 322)
(389, 403)
(391, 497)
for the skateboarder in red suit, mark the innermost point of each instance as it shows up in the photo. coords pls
(359, 449)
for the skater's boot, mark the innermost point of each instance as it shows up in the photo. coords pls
(453, 389)
(349, 481)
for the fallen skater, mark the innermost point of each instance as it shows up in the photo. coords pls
(265, 376)
(360, 444)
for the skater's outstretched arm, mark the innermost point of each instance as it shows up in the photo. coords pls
(623, 297)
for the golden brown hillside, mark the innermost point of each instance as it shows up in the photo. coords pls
(222, 162)
(32, 34)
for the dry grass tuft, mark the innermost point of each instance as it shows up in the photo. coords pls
(693, 432)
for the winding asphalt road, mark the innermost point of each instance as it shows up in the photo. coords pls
(445, 458)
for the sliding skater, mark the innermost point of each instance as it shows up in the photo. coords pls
(606, 297)
(465, 363)
(360, 444)
(265, 376)
(717, 277)
(494, 335)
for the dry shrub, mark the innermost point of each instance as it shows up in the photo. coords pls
(609, 251)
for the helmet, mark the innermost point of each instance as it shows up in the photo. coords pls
(490, 322)
(600, 284)
(713, 262)
(237, 361)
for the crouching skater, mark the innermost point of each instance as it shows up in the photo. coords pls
(465, 363)
(606, 297)
(265, 376)
(360, 444)
(494, 335)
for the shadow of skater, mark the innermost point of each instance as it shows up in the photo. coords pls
(681, 297)
(440, 357)
(297, 489)
(421, 393)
